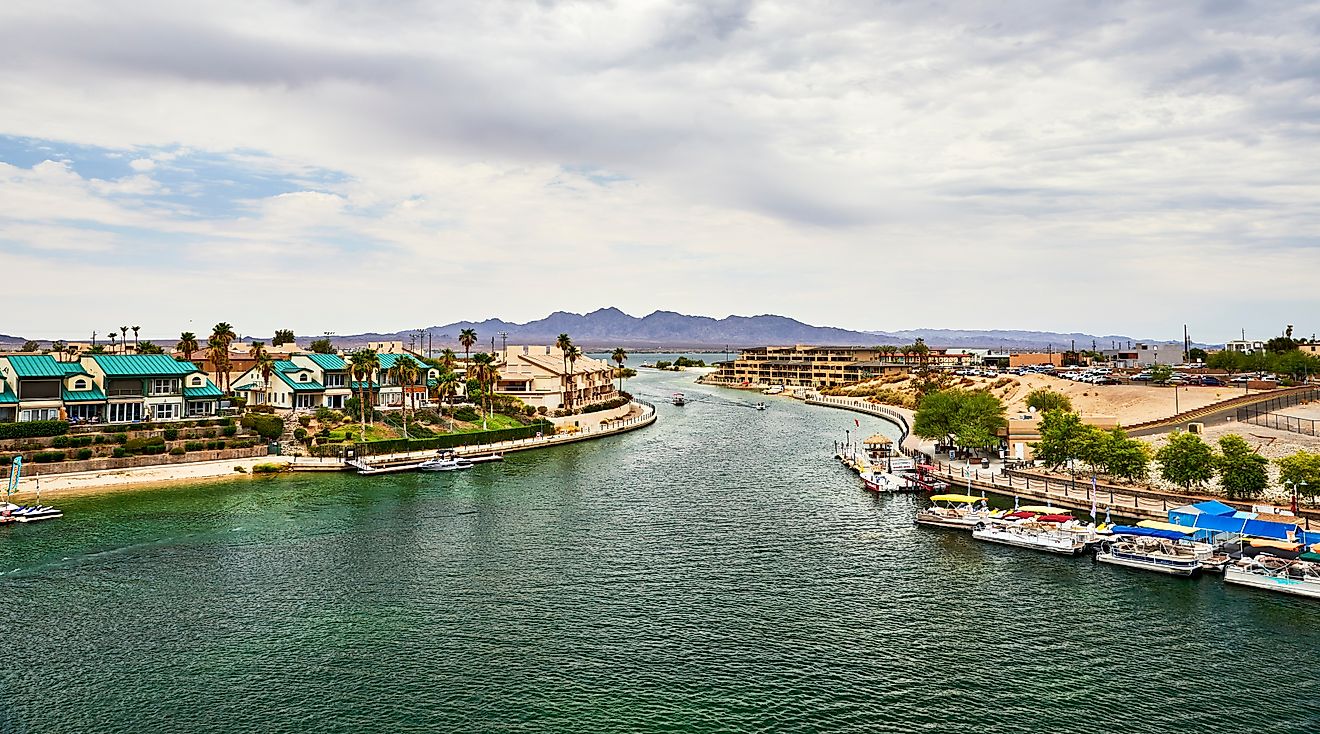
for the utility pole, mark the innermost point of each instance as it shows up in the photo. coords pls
(1187, 345)
(504, 342)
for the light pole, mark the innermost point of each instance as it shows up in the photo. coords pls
(504, 342)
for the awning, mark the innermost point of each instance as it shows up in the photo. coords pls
(1041, 508)
(1147, 532)
(1054, 518)
(960, 498)
(1157, 525)
(877, 440)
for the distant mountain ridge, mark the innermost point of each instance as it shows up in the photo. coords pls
(610, 327)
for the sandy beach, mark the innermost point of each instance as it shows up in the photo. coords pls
(113, 479)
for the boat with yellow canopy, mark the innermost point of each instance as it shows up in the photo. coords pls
(960, 511)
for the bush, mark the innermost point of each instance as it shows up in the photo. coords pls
(85, 454)
(226, 422)
(305, 421)
(271, 468)
(60, 442)
(264, 409)
(466, 414)
(453, 440)
(300, 433)
(48, 457)
(607, 405)
(119, 452)
(144, 445)
(268, 427)
(171, 434)
(194, 446)
(231, 431)
(33, 429)
(541, 410)
(6, 460)
(121, 438)
(324, 414)
(178, 451)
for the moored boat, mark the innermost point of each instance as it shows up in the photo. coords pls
(1297, 577)
(1037, 533)
(960, 511)
(445, 464)
(1161, 551)
(678, 398)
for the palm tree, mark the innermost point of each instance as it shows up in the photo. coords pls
(187, 344)
(487, 375)
(467, 338)
(93, 340)
(266, 366)
(363, 363)
(59, 347)
(574, 352)
(257, 350)
(135, 337)
(619, 356)
(123, 341)
(448, 359)
(112, 340)
(564, 343)
(222, 334)
(446, 388)
(405, 372)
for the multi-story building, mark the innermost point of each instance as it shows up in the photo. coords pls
(540, 377)
(1138, 354)
(809, 366)
(104, 389)
(1245, 346)
(310, 381)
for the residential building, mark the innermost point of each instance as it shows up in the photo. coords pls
(540, 377)
(104, 389)
(826, 366)
(310, 381)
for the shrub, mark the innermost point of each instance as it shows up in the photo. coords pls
(305, 421)
(300, 433)
(171, 434)
(271, 468)
(33, 429)
(230, 431)
(541, 410)
(121, 438)
(48, 457)
(141, 445)
(226, 422)
(194, 446)
(60, 442)
(264, 409)
(240, 470)
(324, 414)
(119, 452)
(6, 460)
(268, 427)
(84, 454)
(178, 451)
(465, 414)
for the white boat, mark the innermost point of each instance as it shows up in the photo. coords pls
(878, 480)
(758, 406)
(445, 464)
(678, 399)
(1031, 533)
(961, 511)
(1301, 578)
(33, 513)
(773, 390)
(1161, 555)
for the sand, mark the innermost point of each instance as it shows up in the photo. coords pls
(111, 479)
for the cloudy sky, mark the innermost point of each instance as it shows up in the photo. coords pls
(344, 166)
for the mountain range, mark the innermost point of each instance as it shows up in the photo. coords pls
(610, 327)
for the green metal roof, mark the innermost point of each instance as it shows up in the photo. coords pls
(7, 396)
(360, 385)
(387, 360)
(284, 365)
(73, 368)
(209, 390)
(328, 361)
(311, 386)
(142, 365)
(250, 387)
(42, 365)
(83, 396)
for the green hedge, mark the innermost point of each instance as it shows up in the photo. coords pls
(33, 429)
(453, 440)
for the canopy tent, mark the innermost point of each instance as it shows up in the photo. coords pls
(1234, 524)
(1148, 532)
(1186, 514)
(877, 440)
(1157, 525)
(959, 498)
(1054, 518)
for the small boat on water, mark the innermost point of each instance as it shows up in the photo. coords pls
(1161, 551)
(445, 463)
(35, 513)
(758, 406)
(879, 480)
(678, 398)
(1050, 533)
(1297, 577)
(960, 511)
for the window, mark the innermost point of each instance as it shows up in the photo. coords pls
(84, 412)
(38, 390)
(39, 414)
(80, 384)
(164, 386)
(334, 379)
(165, 411)
(201, 407)
(303, 377)
(124, 412)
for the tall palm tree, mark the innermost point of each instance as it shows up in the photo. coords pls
(574, 352)
(135, 337)
(448, 360)
(405, 372)
(487, 375)
(123, 341)
(187, 344)
(363, 363)
(266, 366)
(446, 389)
(564, 343)
(372, 360)
(467, 338)
(619, 356)
(93, 340)
(222, 335)
(257, 350)
(112, 340)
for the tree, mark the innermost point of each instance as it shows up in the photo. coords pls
(574, 353)
(31, 346)
(1298, 468)
(123, 338)
(1063, 437)
(1125, 458)
(136, 347)
(1045, 400)
(619, 356)
(564, 343)
(323, 346)
(446, 389)
(405, 372)
(486, 374)
(1160, 374)
(973, 418)
(265, 366)
(1280, 344)
(187, 345)
(59, 346)
(282, 336)
(1186, 460)
(918, 349)
(1197, 354)
(112, 337)
(222, 335)
(149, 347)
(448, 360)
(364, 363)
(1243, 473)
(467, 337)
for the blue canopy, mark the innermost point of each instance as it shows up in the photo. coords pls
(1214, 507)
(1235, 524)
(1147, 532)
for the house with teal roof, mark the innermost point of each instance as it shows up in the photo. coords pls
(311, 381)
(152, 387)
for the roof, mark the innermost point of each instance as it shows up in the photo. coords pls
(248, 387)
(387, 360)
(138, 365)
(209, 390)
(327, 361)
(7, 396)
(284, 365)
(82, 396)
(360, 385)
(42, 365)
(73, 368)
(1214, 507)
(310, 386)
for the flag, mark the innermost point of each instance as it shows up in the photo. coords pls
(859, 423)
(1093, 493)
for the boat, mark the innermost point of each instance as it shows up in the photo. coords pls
(1161, 551)
(773, 390)
(445, 464)
(878, 480)
(1297, 577)
(957, 511)
(678, 399)
(758, 406)
(1039, 532)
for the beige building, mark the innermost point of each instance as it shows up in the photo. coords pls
(538, 377)
(1024, 430)
(810, 366)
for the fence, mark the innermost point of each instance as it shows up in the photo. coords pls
(130, 462)
(862, 406)
(1263, 414)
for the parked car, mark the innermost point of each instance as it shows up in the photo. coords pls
(1210, 381)
(1143, 377)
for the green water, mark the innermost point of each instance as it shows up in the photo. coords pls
(713, 573)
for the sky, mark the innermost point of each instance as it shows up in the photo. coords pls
(347, 166)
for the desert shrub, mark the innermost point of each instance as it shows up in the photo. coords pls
(178, 451)
(300, 433)
(85, 454)
(33, 429)
(268, 427)
(194, 446)
(48, 457)
(229, 431)
(119, 452)
(171, 434)
(305, 421)
(466, 414)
